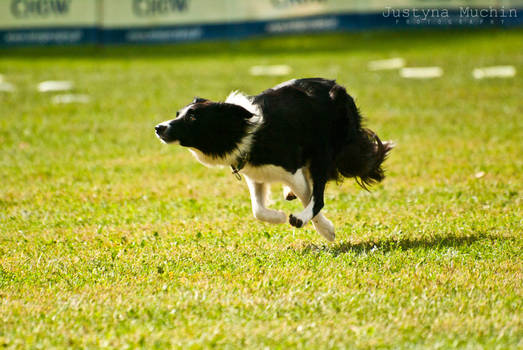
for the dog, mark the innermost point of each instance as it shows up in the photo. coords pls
(303, 133)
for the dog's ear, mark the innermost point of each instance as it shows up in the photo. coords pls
(239, 111)
(199, 99)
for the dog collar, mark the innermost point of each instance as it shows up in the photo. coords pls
(241, 161)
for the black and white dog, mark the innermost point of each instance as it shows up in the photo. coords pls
(304, 133)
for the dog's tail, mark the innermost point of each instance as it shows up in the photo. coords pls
(362, 158)
(362, 153)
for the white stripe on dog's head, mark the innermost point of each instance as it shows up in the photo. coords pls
(240, 99)
(184, 110)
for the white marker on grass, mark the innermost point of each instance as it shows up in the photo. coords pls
(479, 174)
(494, 72)
(421, 72)
(388, 64)
(55, 85)
(276, 70)
(71, 98)
(6, 87)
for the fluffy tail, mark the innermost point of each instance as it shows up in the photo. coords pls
(362, 153)
(363, 159)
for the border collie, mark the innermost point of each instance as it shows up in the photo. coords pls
(303, 132)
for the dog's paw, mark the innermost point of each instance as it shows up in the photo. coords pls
(327, 233)
(290, 196)
(324, 228)
(294, 221)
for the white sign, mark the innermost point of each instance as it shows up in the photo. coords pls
(24, 14)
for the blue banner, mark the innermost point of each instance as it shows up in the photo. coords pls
(69, 22)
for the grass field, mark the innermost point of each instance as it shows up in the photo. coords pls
(110, 239)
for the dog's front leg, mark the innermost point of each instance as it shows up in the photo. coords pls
(314, 203)
(259, 192)
(301, 187)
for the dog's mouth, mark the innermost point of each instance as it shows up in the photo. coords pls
(166, 140)
(161, 137)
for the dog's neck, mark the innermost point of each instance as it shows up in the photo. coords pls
(236, 159)
(240, 163)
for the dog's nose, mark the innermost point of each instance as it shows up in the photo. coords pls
(160, 128)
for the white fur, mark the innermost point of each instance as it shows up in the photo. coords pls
(301, 186)
(267, 173)
(259, 193)
(299, 183)
(324, 226)
(306, 215)
(286, 191)
(240, 99)
(285, 83)
(182, 113)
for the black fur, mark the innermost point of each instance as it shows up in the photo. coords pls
(315, 120)
(211, 127)
(309, 123)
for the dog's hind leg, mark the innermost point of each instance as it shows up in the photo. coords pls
(301, 187)
(288, 194)
(259, 193)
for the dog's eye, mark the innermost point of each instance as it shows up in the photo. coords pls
(191, 117)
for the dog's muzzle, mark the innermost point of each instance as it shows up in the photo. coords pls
(160, 129)
(168, 132)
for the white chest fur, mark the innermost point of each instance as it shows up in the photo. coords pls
(213, 161)
(264, 173)
(267, 173)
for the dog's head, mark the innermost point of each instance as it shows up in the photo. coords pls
(214, 128)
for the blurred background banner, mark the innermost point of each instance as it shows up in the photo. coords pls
(47, 22)
(28, 22)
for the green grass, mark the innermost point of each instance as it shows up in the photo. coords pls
(111, 239)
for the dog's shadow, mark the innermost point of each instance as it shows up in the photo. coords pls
(389, 244)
